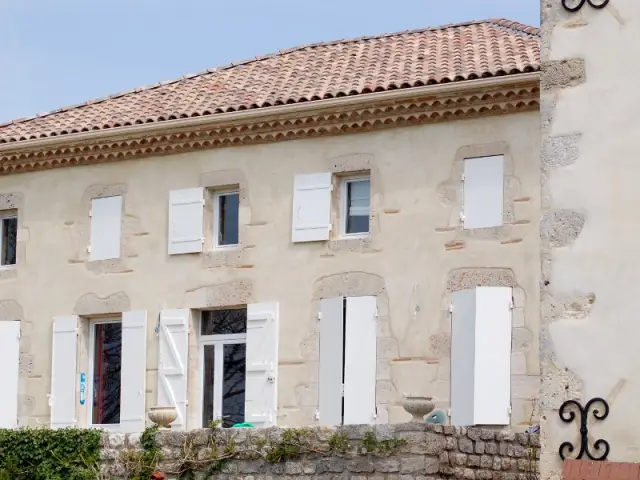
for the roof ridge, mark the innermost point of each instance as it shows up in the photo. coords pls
(499, 22)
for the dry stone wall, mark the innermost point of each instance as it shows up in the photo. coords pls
(385, 452)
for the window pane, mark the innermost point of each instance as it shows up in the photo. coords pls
(107, 364)
(222, 322)
(228, 221)
(209, 369)
(234, 384)
(9, 237)
(358, 201)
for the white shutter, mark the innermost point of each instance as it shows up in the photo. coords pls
(483, 192)
(311, 207)
(331, 360)
(261, 390)
(186, 219)
(172, 363)
(133, 371)
(106, 228)
(9, 373)
(360, 361)
(463, 332)
(481, 356)
(63, 372)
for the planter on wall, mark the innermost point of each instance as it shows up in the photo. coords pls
(163, 416)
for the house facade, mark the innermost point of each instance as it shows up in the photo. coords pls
(299, 239)
(590, 256)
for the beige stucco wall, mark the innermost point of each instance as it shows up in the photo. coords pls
(415, 257)
(589, 228)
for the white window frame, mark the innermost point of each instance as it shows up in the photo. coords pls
(217, 194)
(3, 217)
(92, 353)
(344, 208)
(218, 341)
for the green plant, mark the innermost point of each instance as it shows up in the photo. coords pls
(44, 454)
(384, 447)
(294, 442)
(338, 443)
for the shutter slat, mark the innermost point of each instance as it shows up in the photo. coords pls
(360, 361)
(483, 192)
(463, 328)
(63, 371)
(311, 219)
(331, 360)
(186, 221)
(106, 227)
(134, 371)
(172, 363)
(261, 387)
(9, 373)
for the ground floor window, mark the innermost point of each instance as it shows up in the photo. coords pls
(105, 374)
(223, 337)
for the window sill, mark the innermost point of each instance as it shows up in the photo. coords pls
(354, 236)
(8, 267)
(115, 428)
(226, 248)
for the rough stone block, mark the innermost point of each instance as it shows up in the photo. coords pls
(487, 434)
(479, 447)
(474, 433)
(450, 443)
(486, 461)
(116, 440)
(465, 445)
(473, 461)
(563, 73)
(385, 432)
(387, 465)
(331, 465)
(360, 465)
(491, 448)
(458, 459)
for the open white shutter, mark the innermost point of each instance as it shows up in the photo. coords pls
(63, 372)
(172, 363)
(106, 228)
(331, 360)
(186, 220)
(483, 192)
(9, 373)
(134, 371)
(311, 207)
(261, 390)
(481, 356)
(360, 361)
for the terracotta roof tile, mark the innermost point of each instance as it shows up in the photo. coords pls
(306, 73)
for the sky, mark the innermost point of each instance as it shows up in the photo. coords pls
(55, 53)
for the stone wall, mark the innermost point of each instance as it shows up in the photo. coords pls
(386, 452)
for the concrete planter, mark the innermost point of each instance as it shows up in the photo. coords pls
(163, 416)
(418, 407)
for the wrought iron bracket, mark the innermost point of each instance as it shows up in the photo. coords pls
(594, 3)
(568, 415)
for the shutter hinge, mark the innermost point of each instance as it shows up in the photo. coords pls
(202, 239)
(377, 314)
(510, 410)
(462, 217)
(319, 315)
(342, 389)
(316, 415)
(88, 248)
(330, 227)
(449, 412)
(451, 308)
(90, 213)
(511, 306)
(462, 178)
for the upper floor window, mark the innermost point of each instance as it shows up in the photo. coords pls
(8, 239)
(226, 208)
(355, 205)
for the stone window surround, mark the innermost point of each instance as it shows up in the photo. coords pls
(350, 284)
(221, 180)
(82, 231)
(523, 383)
(451, 195)
(14, 202)
(344, 166)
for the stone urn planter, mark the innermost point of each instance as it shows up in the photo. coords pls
(163, 416)
(418, 407)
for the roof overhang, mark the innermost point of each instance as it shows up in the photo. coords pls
(349, 114)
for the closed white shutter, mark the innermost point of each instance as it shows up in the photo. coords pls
(261, 390)
(9, 373)
(311, 207)
(134, 371)
(106, 228)
(331, 360)
(481, 356)
(463, 333)
(63, 372)
(186, 220)
(483, 192)
(172, 363)
(360, 361)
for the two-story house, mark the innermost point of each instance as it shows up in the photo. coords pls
(299, 238)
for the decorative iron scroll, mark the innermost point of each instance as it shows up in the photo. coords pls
(580, 3)
(568, 416)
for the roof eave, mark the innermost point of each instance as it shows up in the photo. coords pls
(265, 114)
